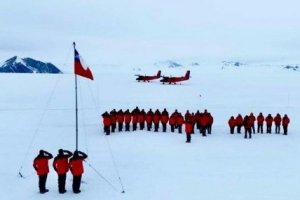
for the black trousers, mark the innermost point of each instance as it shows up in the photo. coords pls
(113, 127)
(120, 127)
(127, 126)
(209, 129)
(269, 128)
(156, 126)
(164, 127)
(232, 130)
(149, 126)
(62, 183)
(188, 137)
(285, 130)
(277, 129)
(76, 184)
(142, 125)
(248, 132)
(107, 130)
(259, 128)
(253, 128)
(179, 128)
(203, 131)
(134, 126)
(42, 183)
(239, 127)
(172, 128)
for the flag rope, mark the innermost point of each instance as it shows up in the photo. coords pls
(38, 127)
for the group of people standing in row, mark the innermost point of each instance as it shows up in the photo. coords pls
(149, 119)
(63, 162)
(248, 122)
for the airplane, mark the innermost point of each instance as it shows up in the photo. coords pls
(148, 78)
(170, 79)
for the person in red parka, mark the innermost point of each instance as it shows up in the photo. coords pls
(61, 166)
(193, 121)
(285, 123)
(210, 121)
(247, 125)
(188, 130)
(134, 119)
(204, 120)
(149, 119)
(156, 119)
(76, 167)
(277, 121)
(164, 119)
(106, 122)
(197, 119)
(141, 119)
(231, 123)
(269, 121)
(113, 120)
(172, 121)
(175, 114)
(120, 119)
(252, 120)
(239, 122)
(260, 123)
(179, 122)
(127, 117)
(40, 164)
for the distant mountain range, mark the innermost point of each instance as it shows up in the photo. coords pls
(173, 64)
(27, 65)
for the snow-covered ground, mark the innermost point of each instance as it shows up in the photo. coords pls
(37, 111)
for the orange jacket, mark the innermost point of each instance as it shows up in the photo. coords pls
(76, 166)
(61, 164)
(179, 120)
(106, 121)
(285, 121)
(188, 128)
(231, 122)
(269, 120)
(40, 164)
(239, 120)
(127, 117)
(260, 119)
(172, 120)
(164, 119)
(277, 120)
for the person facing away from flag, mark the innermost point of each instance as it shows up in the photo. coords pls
(61, 166)
(79, 68)
(40, 164)
(76, 167)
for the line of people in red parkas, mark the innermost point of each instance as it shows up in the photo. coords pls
(248, 122)
(203, 121)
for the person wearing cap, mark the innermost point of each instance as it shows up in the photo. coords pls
(61, 166)
(76, 167)
(40, 164)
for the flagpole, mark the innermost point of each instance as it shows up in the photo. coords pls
(76, 106)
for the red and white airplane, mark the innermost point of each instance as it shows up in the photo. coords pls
(148, 78)
(170, 79)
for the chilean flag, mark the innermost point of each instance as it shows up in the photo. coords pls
(79, 69)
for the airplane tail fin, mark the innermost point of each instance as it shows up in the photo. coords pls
(158, 73)
(187, 75)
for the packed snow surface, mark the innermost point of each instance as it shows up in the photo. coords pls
(37, 112)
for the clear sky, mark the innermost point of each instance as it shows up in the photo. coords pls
(143, 32)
